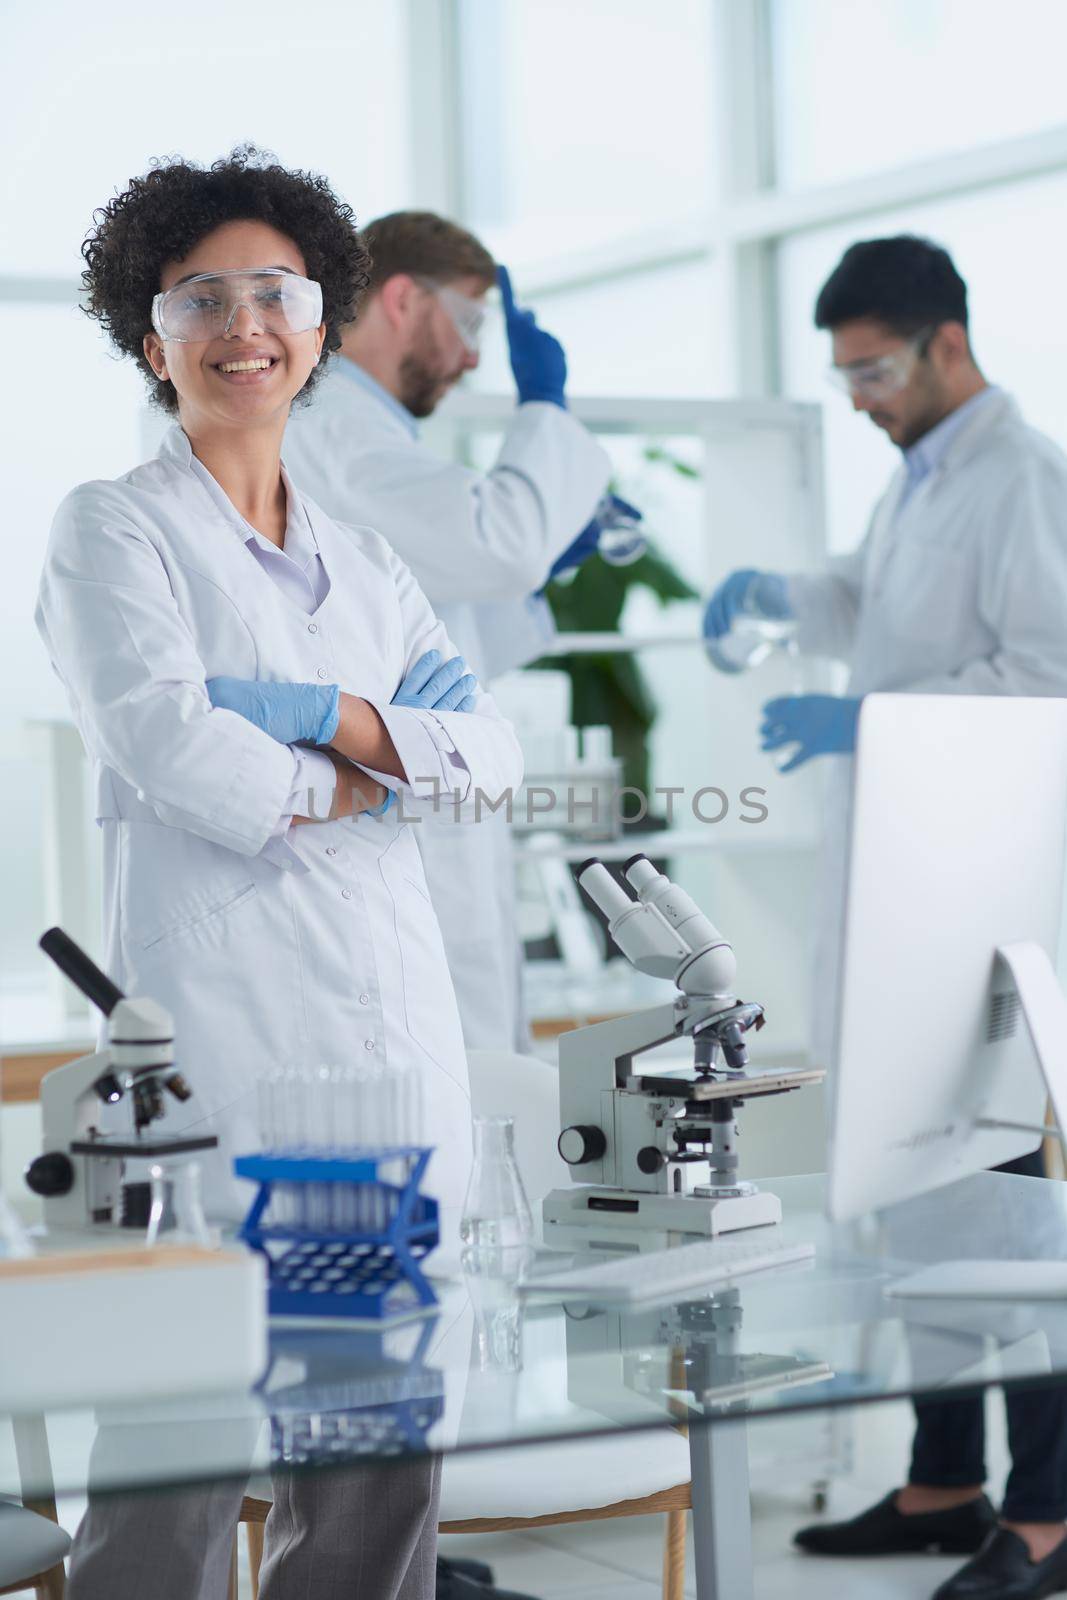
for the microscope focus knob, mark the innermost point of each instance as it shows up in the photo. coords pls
(50, 1174)
(578, 1145)
(650, 1159)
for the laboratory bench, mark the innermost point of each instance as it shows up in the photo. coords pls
(489, 1370)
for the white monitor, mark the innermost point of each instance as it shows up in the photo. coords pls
(959, 806)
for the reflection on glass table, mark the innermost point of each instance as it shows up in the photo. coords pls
(503, 1373)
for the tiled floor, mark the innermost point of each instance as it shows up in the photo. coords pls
(621, 1559)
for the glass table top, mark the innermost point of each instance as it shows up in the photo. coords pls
(490, 1369)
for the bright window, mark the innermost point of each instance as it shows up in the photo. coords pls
(859, 87)
(583, 122)
(655, 333)
(88, 97)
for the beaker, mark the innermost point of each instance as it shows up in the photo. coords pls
(752, 638)
(496, 1212)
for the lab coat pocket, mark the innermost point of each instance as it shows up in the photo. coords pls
(179, 890)
(194, 917)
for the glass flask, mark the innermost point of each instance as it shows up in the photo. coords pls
(621, 539)
(752, 638)
(496, 1212)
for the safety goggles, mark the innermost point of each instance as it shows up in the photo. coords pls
(467, 316)
(204, 307)
(884, 377)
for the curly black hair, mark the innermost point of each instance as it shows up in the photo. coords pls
(160, 217)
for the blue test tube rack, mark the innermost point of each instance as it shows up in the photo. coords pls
(319, 1269)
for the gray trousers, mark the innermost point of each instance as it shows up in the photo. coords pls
(350, 1533)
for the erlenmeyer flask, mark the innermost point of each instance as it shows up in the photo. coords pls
(496, 1212)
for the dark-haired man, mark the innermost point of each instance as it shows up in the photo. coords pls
(960, 587)
(480, 544)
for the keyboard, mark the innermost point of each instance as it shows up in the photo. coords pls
(665, 1274)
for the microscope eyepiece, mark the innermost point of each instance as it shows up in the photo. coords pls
(83, 972)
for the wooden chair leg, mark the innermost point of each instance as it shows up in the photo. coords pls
(254, 1531)
(51, 1585)
(674, 1557)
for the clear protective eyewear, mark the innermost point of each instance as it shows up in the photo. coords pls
(883, 377)
(467, 316)
(204, 307)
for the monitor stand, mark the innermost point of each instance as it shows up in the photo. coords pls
(1044, 1006)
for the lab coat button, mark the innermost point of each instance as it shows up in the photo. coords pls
(323, 673)
(313, 627)
(364, 999)
(331, 849)
(346, 894)
(368, 1044)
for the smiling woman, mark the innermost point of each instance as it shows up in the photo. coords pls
(205, 567)
(152, 237)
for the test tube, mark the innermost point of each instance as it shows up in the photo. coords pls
(266, 1109)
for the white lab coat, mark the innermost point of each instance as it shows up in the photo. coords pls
(963, 591)
(479, 544)
(316, 944)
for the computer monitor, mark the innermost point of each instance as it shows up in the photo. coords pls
(956, 850)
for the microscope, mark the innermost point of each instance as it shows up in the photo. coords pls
(80, 1172)
(658, 1150)
(694, 1355)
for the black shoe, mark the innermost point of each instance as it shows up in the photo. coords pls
(478, 1570)
(1002, 1570)
(882, 1530)
(455, 1585)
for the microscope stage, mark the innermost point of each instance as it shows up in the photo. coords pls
(738, 1086)
(128, 1149)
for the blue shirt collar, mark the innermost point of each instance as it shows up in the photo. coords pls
(929, 452)
(352, 372)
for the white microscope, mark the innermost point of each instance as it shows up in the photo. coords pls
(80, 1172)
(658, 1151)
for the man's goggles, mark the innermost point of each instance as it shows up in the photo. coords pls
(204, 307)
(467, 316)
(884, 377)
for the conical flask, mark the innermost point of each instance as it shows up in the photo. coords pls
(496, 1212)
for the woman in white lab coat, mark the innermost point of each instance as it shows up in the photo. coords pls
(270, 942)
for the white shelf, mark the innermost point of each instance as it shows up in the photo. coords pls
(640, 414)
(599, 644)
(669, 842)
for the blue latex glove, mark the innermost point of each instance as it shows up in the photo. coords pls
(821, 724)
(432, 687)
(769, 596)
(429, 686)
(292, 713)
(538, 363)
(578, 551)
(588, 540)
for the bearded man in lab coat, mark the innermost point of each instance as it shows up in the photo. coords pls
(480, 544)
(960, 587)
